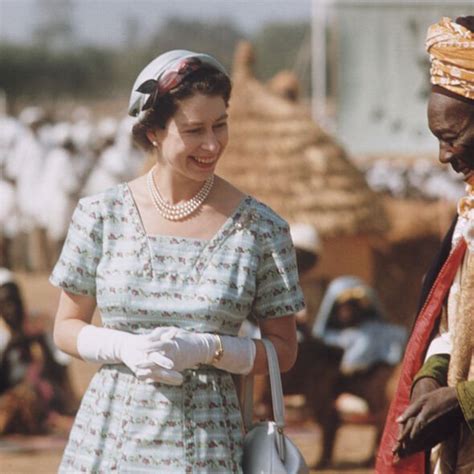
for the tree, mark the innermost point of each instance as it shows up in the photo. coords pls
(56, 31)
(284, 46)
(219, 38)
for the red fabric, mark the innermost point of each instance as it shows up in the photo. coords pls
(412, 362)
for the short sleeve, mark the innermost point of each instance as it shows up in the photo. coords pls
(76, 268)
(278, 292)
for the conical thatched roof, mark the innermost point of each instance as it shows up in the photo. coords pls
(415, 219)
(279, 155)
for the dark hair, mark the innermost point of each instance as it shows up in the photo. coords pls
(206, 81)
(305, 260)
(11, 291)
(466, 21)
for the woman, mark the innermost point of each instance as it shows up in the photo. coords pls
(175, 261)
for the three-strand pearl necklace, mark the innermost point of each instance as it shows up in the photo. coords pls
(177, 212)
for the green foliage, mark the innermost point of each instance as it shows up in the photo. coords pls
(281, 46)
(45, 73)
(277, 46)
(218, 39)
(38, 72)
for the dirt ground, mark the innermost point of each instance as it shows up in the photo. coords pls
(352, 445)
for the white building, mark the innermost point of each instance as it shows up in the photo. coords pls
(370, 66)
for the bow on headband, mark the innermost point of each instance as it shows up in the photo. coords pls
(170, 79)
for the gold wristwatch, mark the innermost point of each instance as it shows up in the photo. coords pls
(219, 353)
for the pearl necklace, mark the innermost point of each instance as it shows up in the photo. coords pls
(177, 212)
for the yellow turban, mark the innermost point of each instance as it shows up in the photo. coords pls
(451, 49)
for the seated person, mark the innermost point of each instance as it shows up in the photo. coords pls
(34, 382)
(351, 317)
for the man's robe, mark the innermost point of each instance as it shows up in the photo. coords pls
(434, 292)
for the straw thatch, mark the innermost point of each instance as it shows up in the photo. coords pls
(285, 84)
(279, 155)
(414, 219)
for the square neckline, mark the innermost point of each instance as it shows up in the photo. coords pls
(154, 237)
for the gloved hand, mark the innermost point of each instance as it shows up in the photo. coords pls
(188, 349)
(428, 420)
(104, 345)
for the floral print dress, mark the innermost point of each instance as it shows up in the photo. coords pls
(141, 282)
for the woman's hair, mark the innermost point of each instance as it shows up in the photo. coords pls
(207, 81)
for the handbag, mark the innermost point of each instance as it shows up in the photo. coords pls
(266, 448)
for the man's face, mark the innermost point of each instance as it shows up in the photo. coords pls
(349, 314)
(452, 122)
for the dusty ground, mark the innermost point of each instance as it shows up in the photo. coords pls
(352, 445)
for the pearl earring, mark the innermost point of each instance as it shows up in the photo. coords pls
(154, 143)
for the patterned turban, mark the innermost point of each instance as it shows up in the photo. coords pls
(451, 49)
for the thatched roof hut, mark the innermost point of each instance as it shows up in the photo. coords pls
(415, 220)
(402, 258)
(279, 155)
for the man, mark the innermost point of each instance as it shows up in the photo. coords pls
(434, 402)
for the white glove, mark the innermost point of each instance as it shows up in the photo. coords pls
(103, 345)
(188, 349)
(238, 355)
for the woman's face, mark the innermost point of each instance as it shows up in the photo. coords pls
(195, 137)
(452, 122)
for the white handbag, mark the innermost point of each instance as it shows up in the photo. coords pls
(266, 448)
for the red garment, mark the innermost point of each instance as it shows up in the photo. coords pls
(412, 362)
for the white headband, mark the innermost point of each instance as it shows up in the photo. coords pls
(152, 79)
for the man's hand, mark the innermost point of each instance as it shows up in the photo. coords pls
(422, 387)
(431, 417)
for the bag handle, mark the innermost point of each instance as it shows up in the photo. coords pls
(277, 398)
(276, 390)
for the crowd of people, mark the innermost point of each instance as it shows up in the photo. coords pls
(46, 165)
(38, 192)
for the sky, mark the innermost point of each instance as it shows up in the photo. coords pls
(103, 21)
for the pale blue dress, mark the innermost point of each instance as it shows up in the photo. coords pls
(141, 282)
